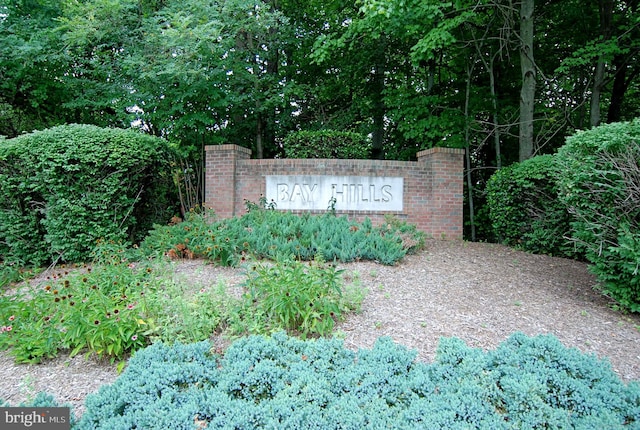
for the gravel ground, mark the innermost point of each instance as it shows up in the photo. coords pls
(481, 293)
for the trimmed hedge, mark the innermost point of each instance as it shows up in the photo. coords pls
(600, 185)
(524, 208)
(326, 144)
(63, 188)
(283, 382)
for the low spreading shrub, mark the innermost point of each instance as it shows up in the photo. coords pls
(326, 144)
(270, 234)
(525, 210)
(600, 185)
(63, 188)
(284, 382)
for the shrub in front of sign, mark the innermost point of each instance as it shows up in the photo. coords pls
(269, 234)
(284, 382)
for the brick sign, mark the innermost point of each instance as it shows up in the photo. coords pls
(426, 192)
(351, 193)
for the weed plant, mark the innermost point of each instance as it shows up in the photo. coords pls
(187, 314)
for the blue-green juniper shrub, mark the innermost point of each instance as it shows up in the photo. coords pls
(284, 382)
(270, 234)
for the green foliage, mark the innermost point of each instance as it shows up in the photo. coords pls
(525, 210)
(290, 295)
(102, 308)
(269, 234)
(284, 382)
(12, 273)
(118, 305)
(187, 314)
(326, 144)
(64, 188)
(600, 186)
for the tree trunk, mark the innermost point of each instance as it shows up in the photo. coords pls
(467, 141)
(596, 93)
(620, 84)
(259, 134)
(606, 11)
(496, 119)
(528, 90)
(377, 90)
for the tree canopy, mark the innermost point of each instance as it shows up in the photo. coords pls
(505, 79)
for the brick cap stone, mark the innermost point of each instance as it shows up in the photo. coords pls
(228, 147)
(439, 150)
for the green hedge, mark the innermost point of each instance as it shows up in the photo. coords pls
(600, 185)
(524, 208)
(65, 187)
(285, 383)
(326, 144)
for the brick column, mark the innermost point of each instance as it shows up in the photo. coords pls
(446, 201)
(220, 177)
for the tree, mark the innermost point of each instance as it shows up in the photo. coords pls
(31, 93)
(528, 68)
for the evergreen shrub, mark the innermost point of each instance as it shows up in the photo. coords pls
(286, 383)
(270, 234)
(63, 188)
(326, 144)
(524, 208)
(600, 185)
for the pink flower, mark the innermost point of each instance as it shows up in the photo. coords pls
(131, 306)
(12, 317)
(131, 265)
(202, 290)
(9, 328)
(134, 337)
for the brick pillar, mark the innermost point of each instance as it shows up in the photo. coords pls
(220, 177)
(446, 201)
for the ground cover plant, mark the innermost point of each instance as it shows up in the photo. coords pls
(269, 234)
(284, 382)
(125, 300)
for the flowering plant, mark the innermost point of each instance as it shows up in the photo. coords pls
(101, 308)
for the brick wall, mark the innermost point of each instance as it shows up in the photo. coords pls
(432, 185)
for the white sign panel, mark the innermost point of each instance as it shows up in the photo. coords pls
(351, 193)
